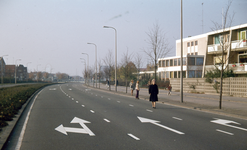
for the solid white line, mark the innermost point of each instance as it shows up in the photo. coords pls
(134, 137)
(149, 110)
(18, 146)
(106, 120)
(92, 111)
(165, 127)
(177, 118)
(224, 132)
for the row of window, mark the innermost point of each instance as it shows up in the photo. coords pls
(176, 74)
(192, 43)
(196, 61)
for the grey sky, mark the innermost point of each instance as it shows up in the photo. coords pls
(56, 32)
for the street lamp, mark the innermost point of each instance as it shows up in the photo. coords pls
(87, 64)
(2, 68)
(15, 68)
(37, 71)
(115, 55)
(95, 61)
(85, 67)
(27, 70)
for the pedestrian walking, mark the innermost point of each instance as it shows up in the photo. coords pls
(169, 90)
(132, 87)
(153, 91)
(137, 89)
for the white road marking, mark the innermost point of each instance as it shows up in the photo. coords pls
(118, 101)
(224, 132)
(92, 111)
(134, 137)
(95, 95)
(177, 118)
(155, 122)
(72, 98)
(69, 96)
(149, 110)
(102, 97)
(109, 99)
(18, 146)
(131, 105)
(76, 101)
(83, 105)
(106, 120)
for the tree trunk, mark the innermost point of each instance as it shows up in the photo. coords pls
(221, 79)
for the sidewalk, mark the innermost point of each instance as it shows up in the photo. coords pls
(231, 106)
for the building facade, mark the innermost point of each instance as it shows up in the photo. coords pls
(206, 52)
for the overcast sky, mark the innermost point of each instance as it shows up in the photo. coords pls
(54, 33)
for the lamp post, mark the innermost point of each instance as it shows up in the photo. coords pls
(2, 68)
(95, 62)
(181, 61)
(15, 68)
(87, 65)
(27, 70)
(37, 71)
(115, 55)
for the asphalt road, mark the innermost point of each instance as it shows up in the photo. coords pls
(71, 116)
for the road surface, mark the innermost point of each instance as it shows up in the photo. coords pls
(71, 116)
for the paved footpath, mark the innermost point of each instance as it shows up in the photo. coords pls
(231, 106)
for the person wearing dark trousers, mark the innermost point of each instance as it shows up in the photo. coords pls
(153, 91)
(137, 90)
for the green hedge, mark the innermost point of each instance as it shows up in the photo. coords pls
(12, 99)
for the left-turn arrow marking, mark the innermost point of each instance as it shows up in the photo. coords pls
(84, 130)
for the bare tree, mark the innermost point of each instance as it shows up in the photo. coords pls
(127, 67)
(108, 61)
(224, 41)
(158, 45)
(138, 62)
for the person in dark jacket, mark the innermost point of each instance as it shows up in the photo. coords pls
(153, 91)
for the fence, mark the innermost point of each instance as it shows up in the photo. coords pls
(233, 86)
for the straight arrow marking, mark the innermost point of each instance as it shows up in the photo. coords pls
(225, 123)
(155, 122)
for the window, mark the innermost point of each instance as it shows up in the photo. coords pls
(191, 61)
(243, 35)
(192, 43)
(167, 63)
(243, 58)
(175, 62)
(167, 74)
(171, 62)
(196, 53)
(184, 61)
(196, 43)
(171, 74)
(188, 44)
(159, 63)
(192, 53)
(199, 61)
(178, 61)
(192, 74)
(163, 63)
(175, 74)
(198, 73)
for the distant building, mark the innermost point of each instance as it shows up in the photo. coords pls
(21, 73)
(10, 71)
(2, 67)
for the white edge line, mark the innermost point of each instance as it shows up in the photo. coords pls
(18, 146)
(224, 132)
(106, 120)
(134, 137)
(177, 118)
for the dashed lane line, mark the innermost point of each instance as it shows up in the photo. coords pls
(134, 137)
(224, 132)
(106, 120)
(177, 118)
